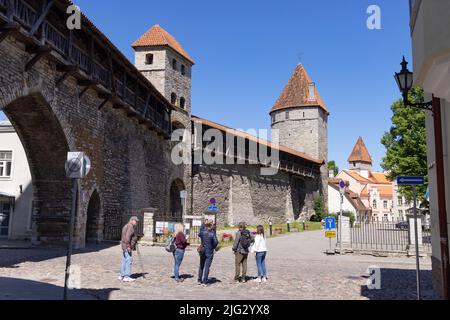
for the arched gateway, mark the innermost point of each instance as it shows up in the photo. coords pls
(74, 91)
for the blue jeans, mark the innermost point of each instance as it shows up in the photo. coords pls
(178, 256)
(261, 264)
(205, 265)
(127, 259)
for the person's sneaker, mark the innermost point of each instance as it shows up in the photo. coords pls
(264, 279)
(128, 279)
(179, 280)
(120, 278)
(258, 280)
(206, 284)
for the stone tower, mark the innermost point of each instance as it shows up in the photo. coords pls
(163, 61)
(360, 159)
(302, 120)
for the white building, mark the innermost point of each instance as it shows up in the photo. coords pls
(16, 191)
(430, 31)
(351, 202)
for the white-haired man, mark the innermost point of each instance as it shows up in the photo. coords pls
(128, 242)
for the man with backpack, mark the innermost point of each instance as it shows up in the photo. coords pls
(241, 248)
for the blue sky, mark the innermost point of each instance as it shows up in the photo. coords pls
(246, 51)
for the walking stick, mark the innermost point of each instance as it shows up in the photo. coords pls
(140, 260)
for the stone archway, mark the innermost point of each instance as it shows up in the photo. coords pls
(46, 147)
(94, 225)
(176, 202)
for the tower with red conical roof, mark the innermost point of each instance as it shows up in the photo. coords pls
(301, 118)
(162, 60)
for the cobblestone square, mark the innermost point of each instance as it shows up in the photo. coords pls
(297, 269)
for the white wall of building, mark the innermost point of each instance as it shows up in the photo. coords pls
(18, 184)
(334, 198)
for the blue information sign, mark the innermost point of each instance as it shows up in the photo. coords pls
(412, 181)
(213, 209)
(330, 223)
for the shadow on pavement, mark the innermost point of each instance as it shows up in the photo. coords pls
(10, 258)
(22, 289)
(400, 284)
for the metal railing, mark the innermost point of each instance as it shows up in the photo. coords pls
(385, 236)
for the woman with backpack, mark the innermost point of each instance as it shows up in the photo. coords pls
(180, 241)
(259, 247)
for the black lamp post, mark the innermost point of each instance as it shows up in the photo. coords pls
(404, 81)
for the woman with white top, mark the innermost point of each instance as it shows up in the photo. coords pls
(260, 249)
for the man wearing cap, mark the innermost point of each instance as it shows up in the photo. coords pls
(128, 242)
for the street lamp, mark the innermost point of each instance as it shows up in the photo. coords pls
(404, 81)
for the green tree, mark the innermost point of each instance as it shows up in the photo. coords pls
(332, 166)
(405, 143)
(319, 208)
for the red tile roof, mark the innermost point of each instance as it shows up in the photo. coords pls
(157, 36)
(360, 153)
(355, 175)
(379, 177)
(296, 92)
(257, 140)
(384, 191)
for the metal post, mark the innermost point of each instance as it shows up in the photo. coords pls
(416, 236)
(71, 227)
(340, 222)
(270, 227)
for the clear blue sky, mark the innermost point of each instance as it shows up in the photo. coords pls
(246, 50)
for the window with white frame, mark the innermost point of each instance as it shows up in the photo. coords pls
(400, 201)
(385, 204)
(374, 204)
(5, 164)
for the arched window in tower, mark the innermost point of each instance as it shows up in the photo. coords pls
(183, 69)
(374, 204)
(174, 64)
(182, 102)
(149, 58)
(173, 98)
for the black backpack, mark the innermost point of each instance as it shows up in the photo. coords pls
(170, 244)
(246, 239)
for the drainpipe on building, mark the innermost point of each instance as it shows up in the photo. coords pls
(440, 177)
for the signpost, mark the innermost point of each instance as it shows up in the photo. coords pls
(77, 166)
(330, 231)
(414, 181)
(341, 191)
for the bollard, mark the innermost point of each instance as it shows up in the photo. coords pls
(288, 227)
(270, 228)
(304, 226)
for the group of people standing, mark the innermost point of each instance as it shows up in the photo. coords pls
(244, 244)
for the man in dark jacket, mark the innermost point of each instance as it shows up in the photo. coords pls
(241, 247)
(208, 245)
(128, 243)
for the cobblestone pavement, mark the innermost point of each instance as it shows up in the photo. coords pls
(297, 269)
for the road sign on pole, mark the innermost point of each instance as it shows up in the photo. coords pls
(330, 223)
(414, 181)
(410, 180)
(78, 166)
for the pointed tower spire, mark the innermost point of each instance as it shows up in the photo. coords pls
(360, 158)
(300, 91)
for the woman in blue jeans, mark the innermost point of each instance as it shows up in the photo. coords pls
(178, 255)
(260, 249)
